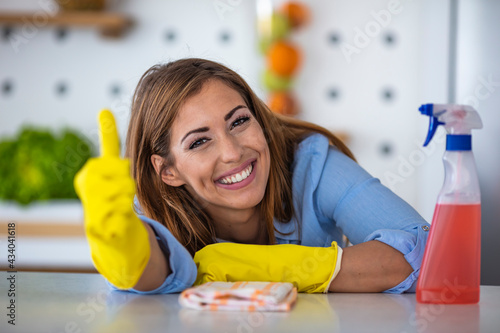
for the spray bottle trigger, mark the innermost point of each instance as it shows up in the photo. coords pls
(433, 125)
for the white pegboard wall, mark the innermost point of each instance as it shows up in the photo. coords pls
(361, 76)
(374, 97)
(55, 82)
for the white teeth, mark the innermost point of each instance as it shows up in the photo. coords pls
(238, 177)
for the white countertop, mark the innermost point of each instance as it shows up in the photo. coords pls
(62, 302)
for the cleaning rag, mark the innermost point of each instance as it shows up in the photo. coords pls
(240, 296)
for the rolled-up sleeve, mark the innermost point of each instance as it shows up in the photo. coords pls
(411, 243)
(367, 210)
(183, 269)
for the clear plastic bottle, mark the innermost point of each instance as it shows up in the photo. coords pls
(450, 271)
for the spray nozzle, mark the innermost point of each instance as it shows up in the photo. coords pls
(457, 119)
(427, 109)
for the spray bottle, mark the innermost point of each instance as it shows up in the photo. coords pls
(450, 271)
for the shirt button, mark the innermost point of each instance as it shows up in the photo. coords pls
(425, 228)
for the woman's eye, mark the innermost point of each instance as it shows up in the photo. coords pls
(198, 143)
(239, 121)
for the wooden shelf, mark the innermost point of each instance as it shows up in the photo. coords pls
(44, 229)
(109, 24)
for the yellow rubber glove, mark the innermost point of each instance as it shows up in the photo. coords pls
(310, 269)
(118, 239)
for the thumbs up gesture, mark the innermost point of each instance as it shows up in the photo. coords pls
(117, 238)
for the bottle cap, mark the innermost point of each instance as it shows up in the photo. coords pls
(459, 142)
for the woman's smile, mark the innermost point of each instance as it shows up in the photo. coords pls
(238, 179)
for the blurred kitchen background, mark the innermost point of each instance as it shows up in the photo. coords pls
(367, 65)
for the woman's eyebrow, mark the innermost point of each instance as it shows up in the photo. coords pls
(230, 113)
(198, 130)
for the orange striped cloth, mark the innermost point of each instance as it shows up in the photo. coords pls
(240, 296)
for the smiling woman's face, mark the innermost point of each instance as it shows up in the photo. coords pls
(219, 149)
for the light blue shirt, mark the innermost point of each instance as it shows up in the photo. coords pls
(332, 196)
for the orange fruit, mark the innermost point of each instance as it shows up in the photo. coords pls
(283, 58)
(297, 13)
(282, 103)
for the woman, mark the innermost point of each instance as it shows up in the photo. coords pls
(212, 164)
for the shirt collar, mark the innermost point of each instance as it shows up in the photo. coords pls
(288, 231)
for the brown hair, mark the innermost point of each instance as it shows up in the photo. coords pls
(160, 94)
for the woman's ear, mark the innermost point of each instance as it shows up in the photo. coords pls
(169, 175)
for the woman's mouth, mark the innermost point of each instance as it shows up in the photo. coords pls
(239, 179)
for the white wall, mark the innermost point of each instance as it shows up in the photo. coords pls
(91, 66)
(361, 68)
(478, 84)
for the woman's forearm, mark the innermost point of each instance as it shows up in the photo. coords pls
(157, 269)
(367, 267)
(370, 267)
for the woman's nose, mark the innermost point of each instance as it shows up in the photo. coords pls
(231, 149)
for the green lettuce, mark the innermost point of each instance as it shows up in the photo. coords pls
(38, 164)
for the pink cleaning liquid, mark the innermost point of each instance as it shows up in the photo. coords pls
(450, 271)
